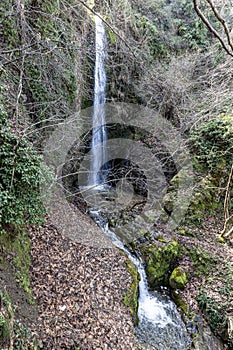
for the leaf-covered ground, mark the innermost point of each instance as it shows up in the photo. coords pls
(79, 291)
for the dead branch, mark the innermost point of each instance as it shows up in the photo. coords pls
(228, 217)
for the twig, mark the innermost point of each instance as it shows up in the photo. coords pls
(106, 22)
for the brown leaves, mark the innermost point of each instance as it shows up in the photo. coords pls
(79, 291)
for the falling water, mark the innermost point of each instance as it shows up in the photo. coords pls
(99, 132)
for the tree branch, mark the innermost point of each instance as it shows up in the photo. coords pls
(212, 29)
(106, 22)
(226, 207)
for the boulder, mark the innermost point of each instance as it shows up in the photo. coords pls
(178, 278)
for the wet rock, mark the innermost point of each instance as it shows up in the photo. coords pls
(205, 339)
(159, 261)
(131, 297)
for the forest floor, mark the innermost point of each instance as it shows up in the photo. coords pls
(79, 290)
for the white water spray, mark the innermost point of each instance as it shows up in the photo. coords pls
(99, 136)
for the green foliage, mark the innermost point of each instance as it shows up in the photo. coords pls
(148, 29)
(189, 27)
(20, 172)
(212, 144)
(205, 199)
(203, 261)
(213, 311)
(49, 72)
(13, 334)
(9, 24)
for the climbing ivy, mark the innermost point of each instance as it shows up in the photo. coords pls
(213, 311)
(212, 144)
(20, 173)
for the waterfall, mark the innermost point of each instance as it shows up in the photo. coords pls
(160, 324)
(99, 131)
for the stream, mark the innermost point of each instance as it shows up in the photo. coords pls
(160, 324)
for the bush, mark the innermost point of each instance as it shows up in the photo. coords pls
(212, 144)
(19, 179)
(213, 312)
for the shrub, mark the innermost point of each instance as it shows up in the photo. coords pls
(212, 144)
(20, 173)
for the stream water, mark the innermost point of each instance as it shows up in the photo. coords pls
(160, 324)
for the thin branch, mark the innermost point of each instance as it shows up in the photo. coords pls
(226, 207)
(223, 22)
(106, 22)
(227, 196)
(211, 28)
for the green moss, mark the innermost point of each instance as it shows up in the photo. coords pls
(180, 304)
(178, 278)
(112, 36)
(186, 232)
(17, 245)
(221, 240)
(159, 262)
(161, 239)
(131, 297)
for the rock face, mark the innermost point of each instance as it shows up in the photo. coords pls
(203, 338)
(159, 261)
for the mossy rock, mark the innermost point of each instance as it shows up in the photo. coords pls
(131, 297)
(178, 278)
(159, 263)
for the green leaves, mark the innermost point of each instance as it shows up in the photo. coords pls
(212, 143)
(19, 181)
(213, 311)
